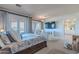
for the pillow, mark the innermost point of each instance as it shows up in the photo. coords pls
(5, 39)
(10, 37)
(16, 36)
(1, 44)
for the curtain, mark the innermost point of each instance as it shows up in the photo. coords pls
(36, 25)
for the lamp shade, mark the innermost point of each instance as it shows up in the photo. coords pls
(1, 30)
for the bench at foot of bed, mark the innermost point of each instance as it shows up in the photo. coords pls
(33, 49)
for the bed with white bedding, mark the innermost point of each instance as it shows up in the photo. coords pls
(32, 41)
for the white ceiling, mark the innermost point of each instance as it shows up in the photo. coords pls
(48, 10)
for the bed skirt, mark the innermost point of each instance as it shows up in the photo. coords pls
(33, 49)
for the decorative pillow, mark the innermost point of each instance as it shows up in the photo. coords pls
(5, 39)
(16, 36)
(1, 44)
(10, 37)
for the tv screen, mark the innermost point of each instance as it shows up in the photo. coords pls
(50, 25)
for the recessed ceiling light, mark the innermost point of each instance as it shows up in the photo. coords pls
(18, 5)
(41, 17)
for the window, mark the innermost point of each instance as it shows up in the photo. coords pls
(13, 22)
(22, 24)
(50, 25)
(18, 23)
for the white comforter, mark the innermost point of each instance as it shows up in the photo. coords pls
(28, 40)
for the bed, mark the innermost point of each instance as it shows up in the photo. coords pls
(33, 43)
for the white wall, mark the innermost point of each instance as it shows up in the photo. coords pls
(60, 27)
(77, 27)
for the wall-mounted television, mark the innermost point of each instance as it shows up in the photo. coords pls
(50, 25)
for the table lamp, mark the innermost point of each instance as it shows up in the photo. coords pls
(2, 30)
